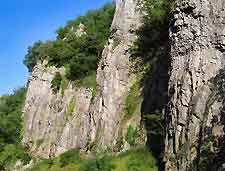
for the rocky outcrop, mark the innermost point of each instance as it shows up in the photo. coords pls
(195, 117)
(114, 77)
(56, 121)
(49, 116)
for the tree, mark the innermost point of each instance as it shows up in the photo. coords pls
(79, 53)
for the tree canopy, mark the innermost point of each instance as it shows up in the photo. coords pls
(79, 53)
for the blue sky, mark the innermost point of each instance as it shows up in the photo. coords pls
(25, 21)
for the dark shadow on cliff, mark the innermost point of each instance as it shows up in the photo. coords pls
(153, 49)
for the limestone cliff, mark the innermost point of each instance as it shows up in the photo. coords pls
(51, 126)
(195, 117)
(56, 121)
(114, 77)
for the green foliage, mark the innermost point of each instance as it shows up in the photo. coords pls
(44, 165)
(36, 52)
(158, 10)
(116, 42)
(71, 107)
(64, 85)
(133, 100)
(80, 54)
(139, 159)
(207, 157)
(56, 82)
(11, 117)
(88, 82)
(69, 157)
(99, 164)
(10, 154)
(10, 129)
(151, 51)
(131, 160)
(155, 29)
(132, 133)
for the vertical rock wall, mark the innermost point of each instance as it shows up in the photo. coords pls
(195, 117)
(52, 127)
(113, 77)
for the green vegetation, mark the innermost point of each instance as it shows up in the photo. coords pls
(154, 29)
(10, 154)
(56, 82)
(151, 56)
(11, 117)
(98, 164)
(64, 84)
(133, 100)
(71, 107)
(128, 161)
(79, 54)
(158, 9)
(10, 130)
(116, 42)
(69, 157)
(88, 82)
(132, 133)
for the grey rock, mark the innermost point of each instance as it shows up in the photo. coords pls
(51, 127)
(197, 59)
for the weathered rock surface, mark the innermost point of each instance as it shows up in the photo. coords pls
(51, 127)
(49, 122)
(114, 78)
(195, 117)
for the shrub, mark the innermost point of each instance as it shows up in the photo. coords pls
(79, 53)
(71, 107)
(100, 164)
(64, 85)
(131, 135)
(158, 10)
(68, 157)
(133, 100)
(11, 117)
(139, 159)
(131, 160)
(10, 154)
(56, 82)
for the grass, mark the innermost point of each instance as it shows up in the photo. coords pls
(64, 85)
(133, 100)
(70, 108)
(139, 159)
(88, 82)
(132, 133)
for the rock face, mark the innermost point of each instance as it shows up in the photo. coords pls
(49, 120)
(114, 78)
(195, 116)
(71, 118)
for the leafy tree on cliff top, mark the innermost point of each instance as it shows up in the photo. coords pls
(79, 54)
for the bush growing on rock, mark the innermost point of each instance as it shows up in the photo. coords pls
(78, 45)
